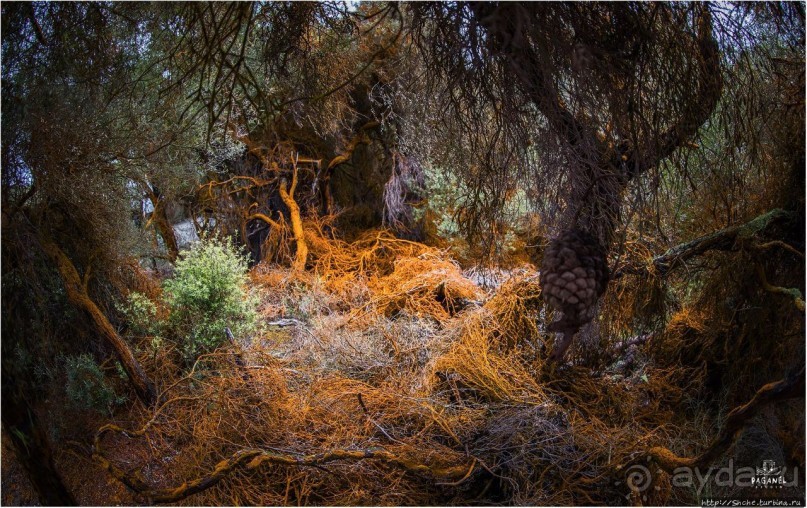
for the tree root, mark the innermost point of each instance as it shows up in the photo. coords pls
(252, 459)
(789, 387)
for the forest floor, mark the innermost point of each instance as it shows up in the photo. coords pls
(425, 383)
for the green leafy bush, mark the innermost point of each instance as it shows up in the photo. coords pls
(208, 294)
(141, 315)
(87, 387)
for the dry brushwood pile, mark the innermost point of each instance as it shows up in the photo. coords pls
(386, 376)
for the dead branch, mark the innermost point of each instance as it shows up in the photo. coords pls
(779, 243)
(793, 293)
(285, 322)
(727, 239)
(358, 139)
(622, 346)
(255, 182)
(789, 387)
(251, 459)
(265, 218)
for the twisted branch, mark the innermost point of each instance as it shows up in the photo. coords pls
(287, 195)
(790, 387)
(727, 239)
(792, 293)
(253, 458)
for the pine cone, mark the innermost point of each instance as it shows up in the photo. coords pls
(574, 275)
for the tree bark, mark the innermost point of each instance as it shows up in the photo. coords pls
(77, 295)
(287, 195)
(727, 239)
(163, 225)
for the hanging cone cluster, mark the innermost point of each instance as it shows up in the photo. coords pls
(574, 275)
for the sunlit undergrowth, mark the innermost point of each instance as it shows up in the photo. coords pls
(386, 345)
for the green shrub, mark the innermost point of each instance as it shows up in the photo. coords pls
(208, 294)
(87, 387)
(141, 315)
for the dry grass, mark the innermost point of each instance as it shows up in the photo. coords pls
(396, 349)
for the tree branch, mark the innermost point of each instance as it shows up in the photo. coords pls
(507, 25)
(265, 218)
(697, 110)
(40, 36)
(251, 459)
(790, 387)
(322, 181)
(792, 293)
(78, 297)
(287, 195)
(727, 239)
(19, 204)
(160, 218)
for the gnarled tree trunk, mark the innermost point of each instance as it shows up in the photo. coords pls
(77, 295)
(600, 171)
(163, 225)
(287, 195)
(604, 170)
